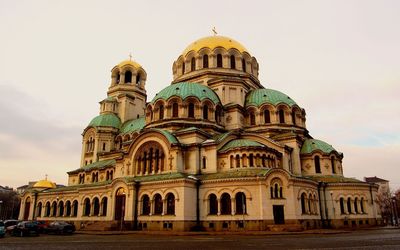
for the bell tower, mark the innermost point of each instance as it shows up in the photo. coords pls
(127, 87)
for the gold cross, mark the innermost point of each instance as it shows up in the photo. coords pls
(130, 56)
(46, 177)
(214, 31)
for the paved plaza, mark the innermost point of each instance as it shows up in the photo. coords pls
(363, 239)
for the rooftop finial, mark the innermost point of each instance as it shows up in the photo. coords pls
(45, 177)
(130, 56)
(214, 31)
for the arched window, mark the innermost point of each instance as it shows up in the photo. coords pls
(61, 208)
(118, 77)
(226, 204)
(362, 205)
(191, 110)
(310, 207)
(183, 68)
(276, 190)
(54, 209)
(170, 204)
(68, 208)
(161, 112)
(145, 205)
(158, 204)
(213, 204)
(75, 208)
(317, 164)
(138, 78)
(104, 202)
(251, 160)
(243, 65)
(175, 109)
(356, 205)
(47, 209)
(86, 207)
(293, 118)
(193, 64)
(252, 119)
(204, 161)
(39, 210)
(205, 61)
(281, 116)
(128, 77)
(205, 112)
(219, 61)
(267, 117)
(240, 203)
(303, 203)
(349, 205)
(237, 161)
(96, 206)
(233, 62)
(333, 165)
(341, 205)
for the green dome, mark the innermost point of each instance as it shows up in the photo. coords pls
(311, 145)
(240, 143)
(187, 89)
(106, 120)
(258, 97)
(133, 125)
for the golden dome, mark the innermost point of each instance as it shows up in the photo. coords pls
(129, 62)
(44, 184)
(213, 42)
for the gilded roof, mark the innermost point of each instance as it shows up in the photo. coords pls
(259, 97)
(187, 89)
(213, 42)
(44, 184)
(240, 143)
(133, 125)
(129, 62)
(311, 145)
(105, 120)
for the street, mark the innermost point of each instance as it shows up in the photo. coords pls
(363, 239)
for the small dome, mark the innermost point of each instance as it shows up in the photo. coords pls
(187, 89)
(213, 42)
(44, 184)
(106, 120)
(259, 97)
(241, 143)
(129, 62)
(311, 145)
(133, 125)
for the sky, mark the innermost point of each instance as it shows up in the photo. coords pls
(339, 60)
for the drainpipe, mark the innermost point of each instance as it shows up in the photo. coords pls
(200, 161)
(320, 201)
(326, 207)
(135, 216)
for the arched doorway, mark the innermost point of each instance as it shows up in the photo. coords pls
(120, 204)
(27, 208)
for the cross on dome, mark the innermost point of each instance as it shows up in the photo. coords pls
(214, 31)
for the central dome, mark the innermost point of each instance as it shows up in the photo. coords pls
(213, 42)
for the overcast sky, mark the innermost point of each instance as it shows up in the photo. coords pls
(339, 60)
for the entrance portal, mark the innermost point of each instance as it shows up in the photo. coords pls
(279, 214)
(120, 204)
(27, 208)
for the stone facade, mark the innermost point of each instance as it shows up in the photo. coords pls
(215, 151)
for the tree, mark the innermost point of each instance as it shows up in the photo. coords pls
(9, 205)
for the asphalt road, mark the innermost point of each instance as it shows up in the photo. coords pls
(364, 239)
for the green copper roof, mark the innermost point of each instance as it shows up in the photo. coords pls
(170, 137)
(94, 165)
(334, 179)
(240, 143)
(311, 145)
(133, 125)
(106, 120)
(187, 89)
(239, 173)
(109, 99)
(258, 97)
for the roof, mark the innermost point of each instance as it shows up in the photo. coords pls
(129, 62)
(106, 120)
(133, 125)
(44, 184)
(170, 137)
(159, 177)
(237, 173)
(94, 165)
(334, 179)
(187, 89)
(109, 99)
(240, 143)
(213, 42)
(259, 97)
(374, 180)
(311, 145)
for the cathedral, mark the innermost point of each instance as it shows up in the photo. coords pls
(215, 150)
